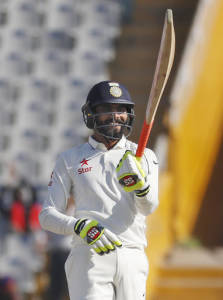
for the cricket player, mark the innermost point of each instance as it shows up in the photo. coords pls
(113, 192)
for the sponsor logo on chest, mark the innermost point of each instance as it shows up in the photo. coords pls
(84, 166)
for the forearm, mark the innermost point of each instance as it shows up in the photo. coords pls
(57, 222)
(147, 204)
(52, 216)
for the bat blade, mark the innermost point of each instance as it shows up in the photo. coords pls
(163, 67)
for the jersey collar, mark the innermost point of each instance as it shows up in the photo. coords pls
(101, 146)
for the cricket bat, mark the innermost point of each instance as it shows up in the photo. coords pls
(162, 71)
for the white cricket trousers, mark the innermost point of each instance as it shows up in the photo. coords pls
(119, 275)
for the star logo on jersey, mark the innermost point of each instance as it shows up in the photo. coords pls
(84, 162)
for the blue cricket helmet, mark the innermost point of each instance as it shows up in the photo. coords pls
(103, 93)
(109, 92)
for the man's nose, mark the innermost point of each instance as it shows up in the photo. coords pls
(116, 115)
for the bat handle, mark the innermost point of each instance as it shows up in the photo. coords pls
(143, 139)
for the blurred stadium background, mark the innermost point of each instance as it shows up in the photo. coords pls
(51, 53)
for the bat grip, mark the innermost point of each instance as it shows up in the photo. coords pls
(143, 139)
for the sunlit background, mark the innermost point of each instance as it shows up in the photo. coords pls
(51, 53)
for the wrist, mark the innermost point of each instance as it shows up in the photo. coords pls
(143, 192)
(79, 224)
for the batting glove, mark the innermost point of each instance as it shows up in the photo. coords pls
(131, 175)
(94, 234)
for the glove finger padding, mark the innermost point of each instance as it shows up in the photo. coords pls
(97, 249)
(113, 238)
(100, 247)
(130, 172)
(107, 243)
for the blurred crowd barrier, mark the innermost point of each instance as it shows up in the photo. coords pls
(31, 260)
(22, 243)
(51, 53)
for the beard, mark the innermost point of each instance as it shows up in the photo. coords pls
(112, 129)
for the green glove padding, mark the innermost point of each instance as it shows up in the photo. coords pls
(102, 240)
(130, 172)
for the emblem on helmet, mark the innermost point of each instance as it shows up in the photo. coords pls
(115, 91)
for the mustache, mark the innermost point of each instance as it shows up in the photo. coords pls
(111, 121)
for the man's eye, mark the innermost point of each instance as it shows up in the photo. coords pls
(102, 109)
(108, 108)
(123, 109)
(105, 109)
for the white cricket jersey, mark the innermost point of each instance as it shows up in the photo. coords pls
(88, 172)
